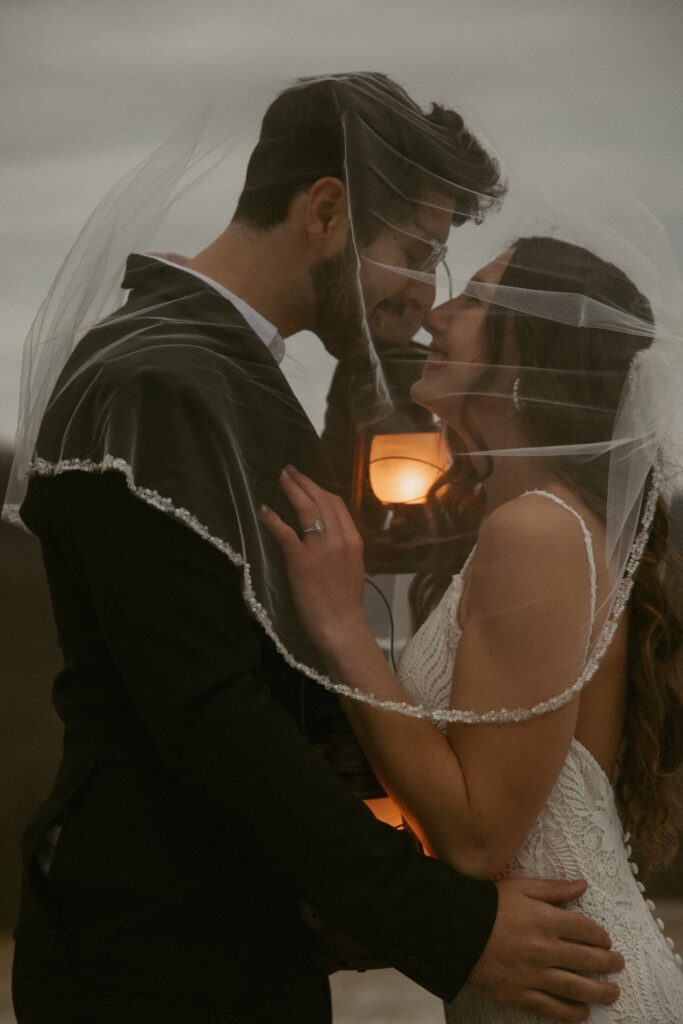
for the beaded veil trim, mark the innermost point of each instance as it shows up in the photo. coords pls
(41, 467)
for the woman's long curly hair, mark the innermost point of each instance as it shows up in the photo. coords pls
(652, 749)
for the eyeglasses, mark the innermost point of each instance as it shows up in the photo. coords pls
(436, 256)
(448, 276)
(437, 251)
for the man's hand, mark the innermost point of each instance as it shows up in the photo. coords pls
(536, 948)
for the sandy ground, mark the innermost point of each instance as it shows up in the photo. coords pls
(379, 997)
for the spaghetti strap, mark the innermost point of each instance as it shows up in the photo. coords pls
(588, 540)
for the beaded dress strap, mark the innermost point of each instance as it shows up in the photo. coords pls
(588, 540)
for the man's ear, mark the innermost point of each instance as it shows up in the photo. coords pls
(327, 213)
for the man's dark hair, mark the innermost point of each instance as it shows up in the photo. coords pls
(302, 140)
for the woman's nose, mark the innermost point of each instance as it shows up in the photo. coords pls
(430, 322)
(437, 319)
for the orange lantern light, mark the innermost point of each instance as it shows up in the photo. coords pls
(403, 467)
(386, 810)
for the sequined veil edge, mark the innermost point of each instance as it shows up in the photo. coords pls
(42, 467)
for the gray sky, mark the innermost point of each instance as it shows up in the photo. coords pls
(90, 87)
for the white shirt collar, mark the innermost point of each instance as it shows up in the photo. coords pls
(267, 332)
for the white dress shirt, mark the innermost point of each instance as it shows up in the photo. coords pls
(267, 332)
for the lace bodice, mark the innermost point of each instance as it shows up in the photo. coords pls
(578, 834)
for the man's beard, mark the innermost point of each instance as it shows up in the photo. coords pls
(338, 311)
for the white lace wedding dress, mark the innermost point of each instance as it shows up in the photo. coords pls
(578, 835)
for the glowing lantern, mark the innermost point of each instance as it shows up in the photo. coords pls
(403, 467)
(392, 476)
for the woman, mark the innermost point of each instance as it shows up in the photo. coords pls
(532, 616)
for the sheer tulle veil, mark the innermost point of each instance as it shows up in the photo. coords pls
(583, 336)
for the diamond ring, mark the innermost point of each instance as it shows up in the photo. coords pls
(317, 527)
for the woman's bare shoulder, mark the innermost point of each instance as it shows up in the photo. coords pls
(536, 520)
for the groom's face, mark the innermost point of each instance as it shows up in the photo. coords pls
(398, 263)
(372, 283)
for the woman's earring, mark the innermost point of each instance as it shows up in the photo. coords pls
(516, 400)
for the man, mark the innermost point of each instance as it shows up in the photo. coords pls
(191, 813)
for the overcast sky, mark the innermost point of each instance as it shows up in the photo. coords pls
(90, 87)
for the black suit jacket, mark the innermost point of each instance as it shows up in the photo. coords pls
(195, 811)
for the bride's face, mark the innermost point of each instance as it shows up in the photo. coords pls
(457, 354)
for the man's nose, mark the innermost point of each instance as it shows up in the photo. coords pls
(421, 293)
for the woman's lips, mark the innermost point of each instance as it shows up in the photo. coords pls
(436, 361)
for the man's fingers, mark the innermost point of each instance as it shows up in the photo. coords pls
(549, 1008)
(553, 891)
(587, 959)
(568, 924)
(543, 969)
(574, 927)
(572, 987)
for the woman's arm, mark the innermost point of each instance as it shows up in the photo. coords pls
(473, 794)
(527, 624)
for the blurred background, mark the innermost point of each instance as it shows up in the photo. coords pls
(91, 86)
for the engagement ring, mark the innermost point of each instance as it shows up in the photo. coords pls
(317, 527)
